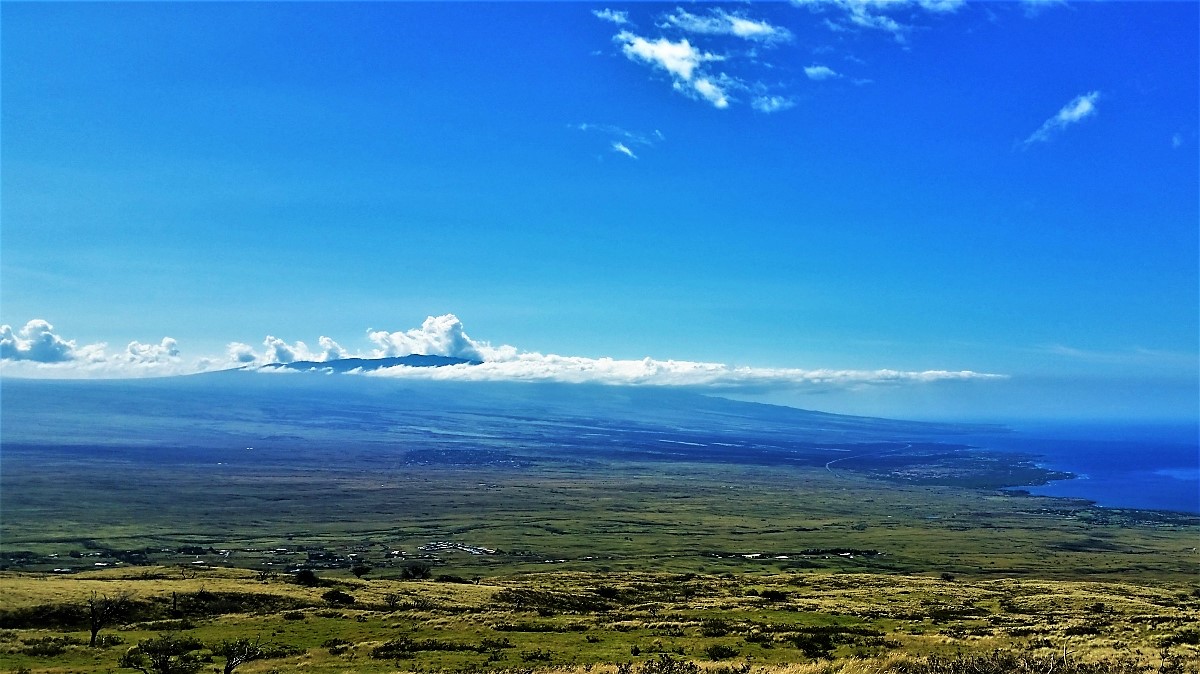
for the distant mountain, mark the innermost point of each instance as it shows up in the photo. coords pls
(367, 364)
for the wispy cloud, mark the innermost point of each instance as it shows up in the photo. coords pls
(622, 148)
(443, 336)
(816, 72)
(622, 141)
(874, 14)
(1138, 356)
(700, 54)
(1078, 109)
(611, 15)
(720, 22)
(1176, 141)
(1036, 7)
(771, 104)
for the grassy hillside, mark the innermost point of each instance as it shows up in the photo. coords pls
(581, 620)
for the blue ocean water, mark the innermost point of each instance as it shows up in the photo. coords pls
(1119, 466)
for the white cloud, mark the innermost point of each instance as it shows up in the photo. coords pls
(720, 22)
(35, 342)
(1078, 109)
(138, 353)
(279, 351)
(816, 72)
(651, 372)
(438, 335)
(612, 15)
(770, 104)
(694, 42)
(680, 59)
(330, 350)
(240, 353)
(683, 62)
(276, 350)
(622, 148)
(1176, 141)
(36, 350)
(711, 92)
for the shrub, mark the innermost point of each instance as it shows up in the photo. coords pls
(47, 647)
(108, 641)
(537, 655)
(416, 571)
(608, 592)
(338, 598)
(307, 578)
(489, 644)
(665, 664)
(167, 654)
(449, 578)
(720, 651)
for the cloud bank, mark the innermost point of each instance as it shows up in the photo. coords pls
(1078, 109)
(36, 350)
(539, 367)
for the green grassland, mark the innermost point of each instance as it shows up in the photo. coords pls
(677, 517)
(580, 620)
(518, 530)
(567, 567)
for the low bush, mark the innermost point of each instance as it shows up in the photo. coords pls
(720, 651)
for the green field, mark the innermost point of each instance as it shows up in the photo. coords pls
(472, 534)
(582, 568)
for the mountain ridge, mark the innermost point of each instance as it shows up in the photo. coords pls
(342, 365)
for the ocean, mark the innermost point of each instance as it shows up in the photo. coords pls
(1118, 466)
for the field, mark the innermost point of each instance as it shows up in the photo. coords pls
(593, 533)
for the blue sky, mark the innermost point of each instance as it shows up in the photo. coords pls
(1000, 188)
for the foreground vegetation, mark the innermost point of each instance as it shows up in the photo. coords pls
(623, 623)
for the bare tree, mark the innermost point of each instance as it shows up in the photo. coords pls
(238, 652)
(104, 610)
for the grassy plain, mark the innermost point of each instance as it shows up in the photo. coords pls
(585, 568)
(629, 540)
(563, 619)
